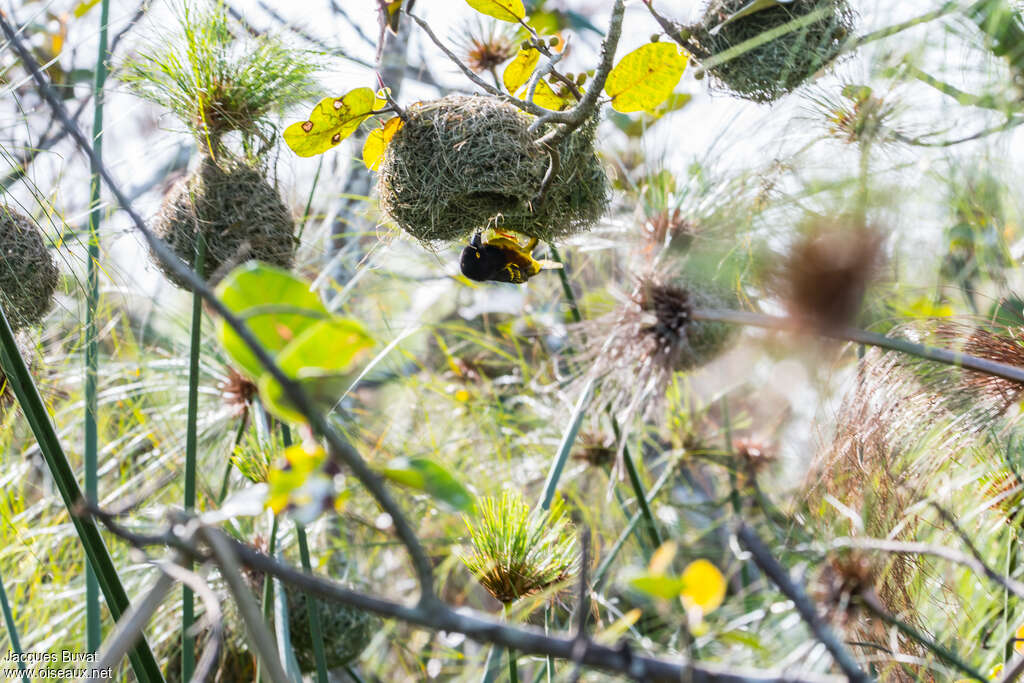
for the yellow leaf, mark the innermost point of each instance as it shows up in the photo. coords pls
(545, 96)
(380, 100)
(662, 558)
(1018, 638)
(519, 70)
(506, 10)
(393, 15)
(83, 7)
(286, 482)
(330, 122)
(645, 77)
(377, 141)
(705, 586)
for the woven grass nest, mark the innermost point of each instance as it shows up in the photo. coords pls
(28, 274)
(464, 163)
(779, 66)
(346, 631)
(240, 215)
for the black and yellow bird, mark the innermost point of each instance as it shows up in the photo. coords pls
(502, 259)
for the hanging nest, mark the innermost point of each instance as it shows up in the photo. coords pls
(28, 274)
(346, 631)
(240, 215)
(779, 66)
(465, 163)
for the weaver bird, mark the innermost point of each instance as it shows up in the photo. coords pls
(502, 259)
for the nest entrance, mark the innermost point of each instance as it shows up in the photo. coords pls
(465, 163)
(239, 214)
(779, 66)
(28, 274)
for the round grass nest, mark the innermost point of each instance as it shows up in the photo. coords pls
(28, 274)
(240, 215)
(346, 631)
(465, 163)
(779, 66)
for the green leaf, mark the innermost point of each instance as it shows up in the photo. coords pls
(520, 69)
(658, 585)
(506, 10)
(427, 476)
(276, 306)
(645, 77)
(322, 359)
(330, 122)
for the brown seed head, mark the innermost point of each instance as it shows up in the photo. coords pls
(488, 51)
(826, 274)
(237, 391)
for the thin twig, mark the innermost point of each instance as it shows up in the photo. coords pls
(437, 616)
(528, 107)
(852, 334)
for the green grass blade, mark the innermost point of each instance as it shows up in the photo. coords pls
(188, 607)
(568, 439)
(638, 489)
(312, 604)
(12, 630)
(93, 621)
(13, 365)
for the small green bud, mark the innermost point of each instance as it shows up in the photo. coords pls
(553, 42)
(581, 79)
(655, 37)
(525, 45)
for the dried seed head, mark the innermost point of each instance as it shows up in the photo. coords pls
(858, 116)
(825, 276)
(595, 448)
(237, 391)
(487, 48)
(669, 227)
(845, 579)
(638, 347)
(754, 454)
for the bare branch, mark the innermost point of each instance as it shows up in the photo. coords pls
(852, 334)
(575, 117)
(437, 616)
(130, 628)
(528, 107)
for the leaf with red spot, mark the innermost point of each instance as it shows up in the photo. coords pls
(330, 122)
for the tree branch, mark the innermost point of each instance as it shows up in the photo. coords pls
(437, 616)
